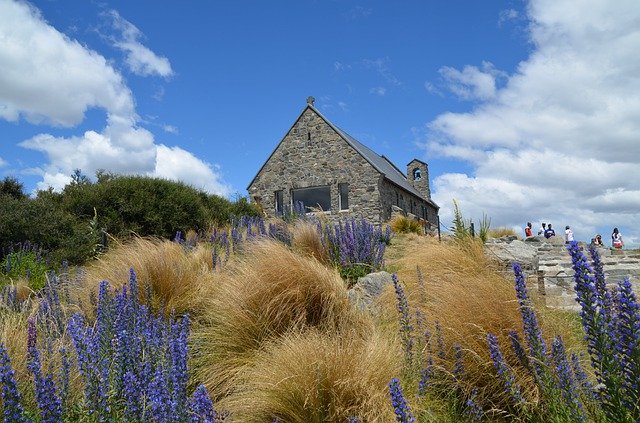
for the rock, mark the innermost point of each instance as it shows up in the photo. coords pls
(368, 288)
(516, 251)
(534, 239)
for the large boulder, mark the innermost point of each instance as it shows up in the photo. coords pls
(368, 288)
(522, 252)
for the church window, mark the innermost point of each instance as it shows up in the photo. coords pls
(417, 174)
(343, 190)
(313, 198)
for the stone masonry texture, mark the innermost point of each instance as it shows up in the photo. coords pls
(313, 154)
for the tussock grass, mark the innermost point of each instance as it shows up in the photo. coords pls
(315, 377)
(265, 294)
(175, 275)
(307, 241)
(500, 232)
(464, 291)
(404, 225)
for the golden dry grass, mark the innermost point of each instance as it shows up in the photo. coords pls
(403, 225)
(468, 296)
(307, 241)
(500, 232)
(315, 377)
(177, 276)
(267, 293)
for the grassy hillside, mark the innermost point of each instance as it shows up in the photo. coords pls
(254, 321)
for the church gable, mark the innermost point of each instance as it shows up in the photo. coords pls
(313, 156)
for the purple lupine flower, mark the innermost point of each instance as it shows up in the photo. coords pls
(425, 378)
(581, 378)
(566, 381)
(131, 394)
(406, 330)
(533, 334)
(399, 403)
(352, 420)
(596, 322)
(503, 370)
(473, 410)
(159, 398)
(214, 257)
(602, 292)
(518, 349)
(179, 372)
(32, 334)
(627, 342)
(12, 408)
(458, 369)
(202, 410)
(48, 402)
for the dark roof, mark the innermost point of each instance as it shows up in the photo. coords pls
(380, 163)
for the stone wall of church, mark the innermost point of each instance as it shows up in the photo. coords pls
(312, 154)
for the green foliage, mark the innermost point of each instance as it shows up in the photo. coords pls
(24, 264)
(12, 187)
(485, 225)
(461, 229)
(69, 224)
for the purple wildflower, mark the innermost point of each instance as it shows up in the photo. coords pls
(400, 405)
(503, 370)
(12, 408)
(202, 410)
(566, 381)
(473, 410)
(406, 330)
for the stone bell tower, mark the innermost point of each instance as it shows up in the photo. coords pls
(418, 177)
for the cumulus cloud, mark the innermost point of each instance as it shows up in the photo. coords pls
(3, 162)
(49, 78)
(140, 59)
(178, 164)
(472, 83)
(559, 139)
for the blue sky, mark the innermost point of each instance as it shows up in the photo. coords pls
(528, 111)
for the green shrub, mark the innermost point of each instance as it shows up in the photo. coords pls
(24, 264)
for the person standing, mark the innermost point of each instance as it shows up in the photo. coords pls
(542, 229)
(616, 239)
(527, 230)
(568, 235)
(549, 232)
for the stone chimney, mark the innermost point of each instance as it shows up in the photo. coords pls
(418, 177)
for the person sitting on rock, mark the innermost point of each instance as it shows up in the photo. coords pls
(527, 230)
(549, 232)
(597, 240)
(616, 239)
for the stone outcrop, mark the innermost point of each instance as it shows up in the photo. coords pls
(368, 288)
(547, 264)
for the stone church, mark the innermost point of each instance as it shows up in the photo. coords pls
(320, 166)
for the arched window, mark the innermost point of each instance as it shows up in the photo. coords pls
(417, 174)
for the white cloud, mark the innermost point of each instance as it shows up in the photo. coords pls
(472, 83)
(48, 78)
(3, 162)
(178, 164)
(170, 129)
(140, 59)
(560, 139)
(380, 91)
(507, 15)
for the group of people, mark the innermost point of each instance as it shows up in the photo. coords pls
(547, 231)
